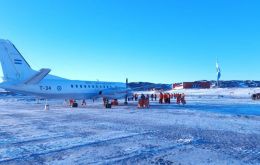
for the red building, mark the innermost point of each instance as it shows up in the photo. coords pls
(192, 85)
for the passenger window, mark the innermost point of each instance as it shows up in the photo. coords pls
(96, 86)
(71, 86)
(93, 86)
(85, 86)
(76, 86)
(80, 86)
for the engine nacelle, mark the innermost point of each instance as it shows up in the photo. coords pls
(115, 93)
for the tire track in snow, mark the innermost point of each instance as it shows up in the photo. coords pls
(51, 151)
(141, 154)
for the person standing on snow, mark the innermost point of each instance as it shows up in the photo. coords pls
(165, 97)
(83, 103)
(152, 96)
(183, 101)
(169, 98)
(136, 97)
(142, 96)
(148, 96)
(178, 100)
(161, 98)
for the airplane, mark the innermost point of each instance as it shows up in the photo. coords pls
(19, 77)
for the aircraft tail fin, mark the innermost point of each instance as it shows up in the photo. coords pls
(14, 66)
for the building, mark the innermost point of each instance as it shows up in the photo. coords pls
(192, 85)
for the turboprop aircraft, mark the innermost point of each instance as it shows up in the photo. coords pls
(19, 77)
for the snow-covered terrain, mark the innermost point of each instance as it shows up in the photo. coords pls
(215, 127)
(221, 92)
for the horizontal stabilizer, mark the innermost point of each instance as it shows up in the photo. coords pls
(38, 76)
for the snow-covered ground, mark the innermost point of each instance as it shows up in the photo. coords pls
(226, 92)
(215, 127)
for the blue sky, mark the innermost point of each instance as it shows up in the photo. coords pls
(161, 41)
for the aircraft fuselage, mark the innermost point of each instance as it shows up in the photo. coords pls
(67, 89)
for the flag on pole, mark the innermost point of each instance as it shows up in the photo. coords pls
(218, 71)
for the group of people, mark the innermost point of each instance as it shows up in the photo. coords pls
(109, 104)
(144, 101)
(255, 96)
(73, 103)
(180, 98)
(153, 97)
(163, 98)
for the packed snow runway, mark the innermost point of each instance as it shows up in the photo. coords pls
(207, 130)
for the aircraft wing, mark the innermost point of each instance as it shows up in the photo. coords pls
(38, 76)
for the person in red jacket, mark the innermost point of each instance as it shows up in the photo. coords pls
(161, 98)
(178, 100)
(71, 102)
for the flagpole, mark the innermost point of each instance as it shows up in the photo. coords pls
(218, 72)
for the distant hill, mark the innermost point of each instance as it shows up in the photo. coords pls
(143, 86)
(238, 84)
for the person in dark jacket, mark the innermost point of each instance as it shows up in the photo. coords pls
(142, 96)
(152, 96)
